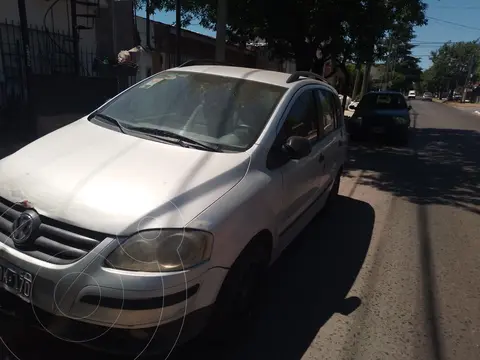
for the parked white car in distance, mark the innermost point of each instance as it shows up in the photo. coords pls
(412, 94)
(427, 96)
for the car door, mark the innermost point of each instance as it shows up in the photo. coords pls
(300, 178)
(333, 135)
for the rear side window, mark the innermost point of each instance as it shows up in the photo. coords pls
(328, 111)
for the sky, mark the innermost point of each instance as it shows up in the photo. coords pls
(448, 20)
(437, 32)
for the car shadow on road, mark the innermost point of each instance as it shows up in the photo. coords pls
(307, 285)
(441, 166)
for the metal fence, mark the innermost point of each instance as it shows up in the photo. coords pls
(51, 53)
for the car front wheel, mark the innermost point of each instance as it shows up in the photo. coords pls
(335, 189)
(237, 298)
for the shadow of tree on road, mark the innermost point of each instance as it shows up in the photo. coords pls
(444, 169)
(307, 285)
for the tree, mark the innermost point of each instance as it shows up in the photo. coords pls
(310, 31)
(450, 65)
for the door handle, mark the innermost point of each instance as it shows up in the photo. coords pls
(321, 158)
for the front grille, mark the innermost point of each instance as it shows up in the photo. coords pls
(56, 242)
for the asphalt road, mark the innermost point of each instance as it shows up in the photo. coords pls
(392, 271)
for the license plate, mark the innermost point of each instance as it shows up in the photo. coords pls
(16, 281)
(378, 130)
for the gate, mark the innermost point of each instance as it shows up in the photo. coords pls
(55, 86)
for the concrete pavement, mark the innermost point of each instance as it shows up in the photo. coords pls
(392, 271)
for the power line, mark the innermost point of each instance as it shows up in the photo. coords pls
(458, 7)
(427, 42)
(453, 23)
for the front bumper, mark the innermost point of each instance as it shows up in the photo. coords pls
(389, 129)
(159, 339)
(87, 292)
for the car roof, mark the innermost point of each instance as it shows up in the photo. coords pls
(385, 92)
(260, 75)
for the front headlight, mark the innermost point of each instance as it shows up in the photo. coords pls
(401, 120)
(162, 250)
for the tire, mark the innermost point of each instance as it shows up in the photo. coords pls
(238, 298)
(403, 138)
(354, 137)
(335, 189)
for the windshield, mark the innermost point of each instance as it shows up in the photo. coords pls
(371, 102)
(223, 111)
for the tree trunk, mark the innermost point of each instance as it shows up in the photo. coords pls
(366, 78)
(221, 38)
(303, 58)
(358, 75)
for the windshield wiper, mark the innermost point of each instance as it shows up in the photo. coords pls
(110, 120)
(182, 140)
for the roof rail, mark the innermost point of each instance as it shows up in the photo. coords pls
(203, 62)
(308, 74)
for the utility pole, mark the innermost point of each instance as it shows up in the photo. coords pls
(387, 65)
(358, 80)
(470, 70)
(30, 126)
(366, 77)
(147, 24)
(76, 50)
(114, 27)
(178, 30)
(221, 38)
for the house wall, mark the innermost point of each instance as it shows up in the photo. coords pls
(195, 46)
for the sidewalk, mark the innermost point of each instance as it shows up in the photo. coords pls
(8, 146)
(471, 108)
(468, 107)
(10, 142)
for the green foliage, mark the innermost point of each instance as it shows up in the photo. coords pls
(450, 65)
(299, 29)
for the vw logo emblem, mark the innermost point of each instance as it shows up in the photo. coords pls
(24, 227)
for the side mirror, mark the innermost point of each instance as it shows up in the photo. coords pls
(297, 147)
(409, 107)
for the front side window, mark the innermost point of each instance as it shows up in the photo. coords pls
(221, 111)
(302, 118)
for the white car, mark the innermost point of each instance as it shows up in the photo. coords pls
(427, 96)
(158, 213)
(412, 94)
(347, 102)
(353, 105)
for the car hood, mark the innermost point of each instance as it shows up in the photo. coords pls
(106, 181)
